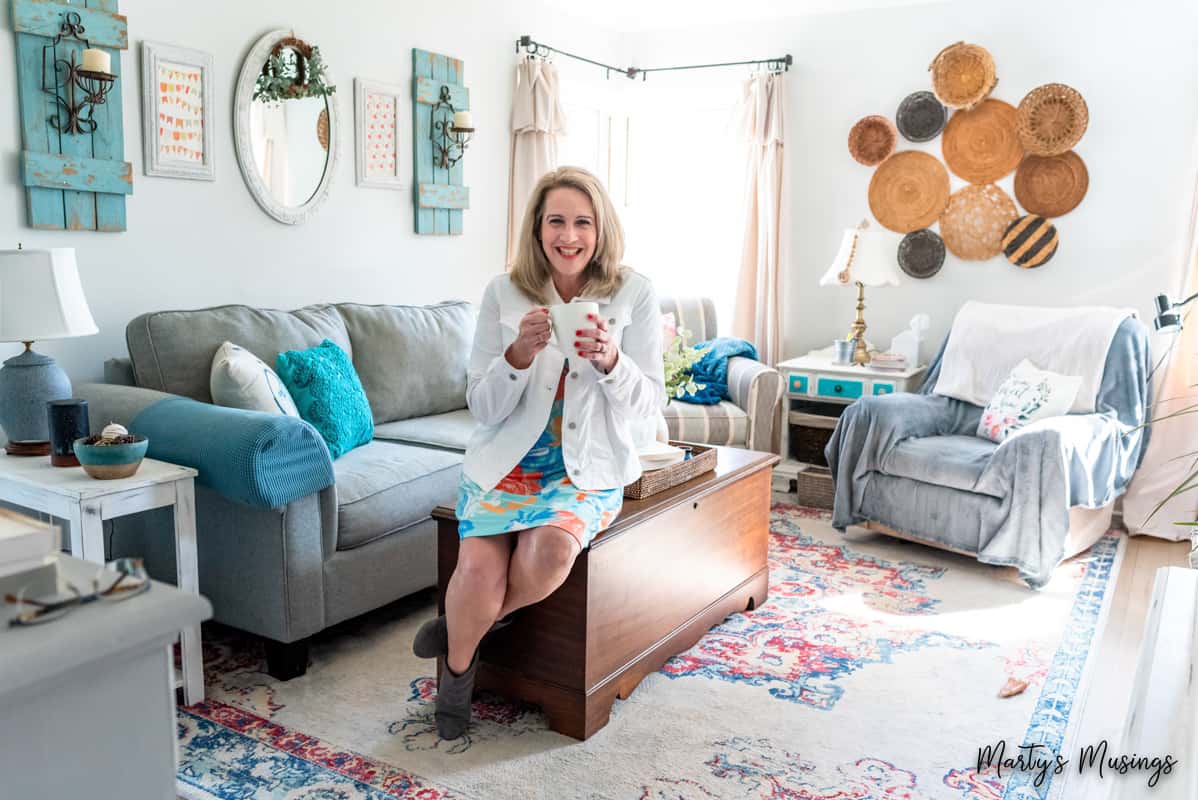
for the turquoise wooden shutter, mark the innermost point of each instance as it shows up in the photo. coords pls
(438, 194)
(74, 181)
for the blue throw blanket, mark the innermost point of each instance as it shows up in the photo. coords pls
(712, 369)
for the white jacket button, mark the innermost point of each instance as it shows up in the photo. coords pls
(512, 375)
(611, 321)
(573, 374)
(572, 426)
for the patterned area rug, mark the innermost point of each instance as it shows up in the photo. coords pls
(873, 671)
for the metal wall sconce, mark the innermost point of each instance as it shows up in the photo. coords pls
(1167, 320)
(92, 80)
(450, 131)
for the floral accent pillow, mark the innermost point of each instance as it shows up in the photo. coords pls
(1026, 396)
(669, 330)
(239, 379)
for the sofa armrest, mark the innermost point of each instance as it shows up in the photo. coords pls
(756, 389)
(260, 459)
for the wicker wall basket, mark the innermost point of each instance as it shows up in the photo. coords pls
(703, 459)
(976, 219)
(921, 253)
(963, 75)
(908, 191)
(920, 117)
(1052, 119)
(1030, 242)
(872, 140)
(981, 145)
(1051, 185)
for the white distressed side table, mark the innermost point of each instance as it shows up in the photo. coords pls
(813, 381)
(84, 502)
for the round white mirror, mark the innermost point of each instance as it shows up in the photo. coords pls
(286, 130)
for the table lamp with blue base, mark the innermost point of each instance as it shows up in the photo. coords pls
(40, 298)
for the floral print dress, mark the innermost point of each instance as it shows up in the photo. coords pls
(538, 492)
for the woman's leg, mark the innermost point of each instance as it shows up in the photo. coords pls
(540, 563)
(475, 594)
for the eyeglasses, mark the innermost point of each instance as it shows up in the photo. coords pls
(131, 581)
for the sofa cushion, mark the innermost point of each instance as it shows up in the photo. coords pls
(450, 431)
(723, 423)
(385, 486)
(239, 379)
(412, 359)
(328, 394)
(172, 351)
(953, 461)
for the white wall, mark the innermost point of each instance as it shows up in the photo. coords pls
(192, 244)
(1137, 67)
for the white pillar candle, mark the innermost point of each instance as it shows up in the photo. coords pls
(96, 61)
(461, 119)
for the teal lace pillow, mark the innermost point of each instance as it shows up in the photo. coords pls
(328, 394)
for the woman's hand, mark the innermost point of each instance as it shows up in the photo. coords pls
(596, 345)
(531, 339)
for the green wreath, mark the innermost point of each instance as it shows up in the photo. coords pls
(293, 70)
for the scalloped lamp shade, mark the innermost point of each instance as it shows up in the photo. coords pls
(40, 298)
(874, 260)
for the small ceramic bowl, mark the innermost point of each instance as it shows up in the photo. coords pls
(110, 461)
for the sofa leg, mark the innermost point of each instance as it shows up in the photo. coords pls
(286, 660)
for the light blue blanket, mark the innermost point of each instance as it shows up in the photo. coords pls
(1009, 503)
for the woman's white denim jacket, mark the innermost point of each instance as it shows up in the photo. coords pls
(604, 416)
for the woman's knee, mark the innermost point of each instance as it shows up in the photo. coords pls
(553, 550)
(484, 568)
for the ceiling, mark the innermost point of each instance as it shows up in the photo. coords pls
(637, 16)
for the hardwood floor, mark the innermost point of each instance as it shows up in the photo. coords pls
(1105, 702)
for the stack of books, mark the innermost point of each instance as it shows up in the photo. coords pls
(888, 360)
(28, 555)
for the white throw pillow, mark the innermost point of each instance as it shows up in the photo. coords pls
(239, 379)
(1027, 395)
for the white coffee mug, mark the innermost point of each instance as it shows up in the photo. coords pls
(567, 318)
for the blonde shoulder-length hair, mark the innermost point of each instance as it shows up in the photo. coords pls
(531, 272)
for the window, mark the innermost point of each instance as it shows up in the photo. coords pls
(671, 159)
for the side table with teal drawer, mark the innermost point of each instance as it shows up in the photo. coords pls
(817, 390)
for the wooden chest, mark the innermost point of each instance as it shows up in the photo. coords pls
(671, 567)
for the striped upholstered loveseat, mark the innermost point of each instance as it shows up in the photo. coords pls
(749, 417)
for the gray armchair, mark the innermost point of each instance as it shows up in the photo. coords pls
(746, 420)
(910, 465)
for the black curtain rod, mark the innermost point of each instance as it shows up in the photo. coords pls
(542, 50)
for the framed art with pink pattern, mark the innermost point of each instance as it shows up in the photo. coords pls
(378, 120)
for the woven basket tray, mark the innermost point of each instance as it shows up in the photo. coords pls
(650, 483)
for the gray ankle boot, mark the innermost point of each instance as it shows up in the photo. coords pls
(454, 694)
(432, 640)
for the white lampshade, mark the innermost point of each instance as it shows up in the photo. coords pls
(874, 259)
(41, 297)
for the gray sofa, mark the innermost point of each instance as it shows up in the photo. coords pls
(287, 571)
(290, 542)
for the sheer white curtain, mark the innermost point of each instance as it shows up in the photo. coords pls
(757, 316)
(1173, 446)
(537, 121)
